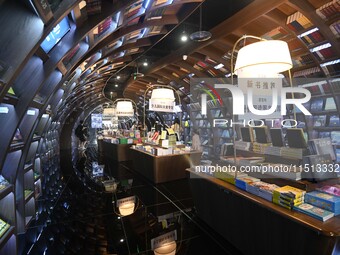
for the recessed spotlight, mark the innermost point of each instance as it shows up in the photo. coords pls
(116, 85)
(145, 63)
(121, 240)
(184, 38)
(118, 77)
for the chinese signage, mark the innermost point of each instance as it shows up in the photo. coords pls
(161, 106)
(163, 239)
(260, 91)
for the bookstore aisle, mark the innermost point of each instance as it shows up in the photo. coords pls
(82, 220)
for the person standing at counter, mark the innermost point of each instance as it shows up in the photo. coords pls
(176, 127)
(196, 141)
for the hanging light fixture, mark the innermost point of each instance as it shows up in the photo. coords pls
(127, 209)
(137, 74)
(168, 249)
(163, 94)
(200, 35)
(263, 58)
(124, 107)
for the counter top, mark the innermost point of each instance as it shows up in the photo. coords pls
(330, 227)
(169, 155)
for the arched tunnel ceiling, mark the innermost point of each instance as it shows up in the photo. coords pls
(102, 50)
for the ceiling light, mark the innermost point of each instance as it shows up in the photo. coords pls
(145, 63)
(184, 37)
(118, 77)
(185, 57)
(263, 57)
(116, 85)
(219, 66)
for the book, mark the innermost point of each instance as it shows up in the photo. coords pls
(333, 190)
(314, 171)
(289, 192)
(4, 226)
(321, 146)
(325, 201)
(316, 212)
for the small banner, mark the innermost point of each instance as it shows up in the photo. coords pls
(161, 106)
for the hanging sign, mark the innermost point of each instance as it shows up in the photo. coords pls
(125, 112)
(157, 105)
(125, 200)
(263, 91)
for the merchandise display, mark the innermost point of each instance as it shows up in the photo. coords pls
(3, 227)
(3, 182)
(245, 124)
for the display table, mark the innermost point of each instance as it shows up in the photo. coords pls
(257, 226)
(117, 152)
(166, 168)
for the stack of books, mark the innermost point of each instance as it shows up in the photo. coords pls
(324, 200)
(244, 146)
(3, 227)
(283, 171)
(329, 10)
(316, 212)
(260, 147)
(288, 196)
(332, 190)
(262, 189)
(273, 150)
(298, 22)
(229, 176)
(244, 182)
(294, 153)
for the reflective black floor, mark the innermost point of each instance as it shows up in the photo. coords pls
(85, 218)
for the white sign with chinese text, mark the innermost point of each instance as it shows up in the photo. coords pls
(262, 91)
(161, 106)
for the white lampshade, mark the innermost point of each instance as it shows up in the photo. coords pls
(109, 111)
(264, 57)
(124, 105)
(163, 94)
(124, 108)
(127, 208)
(169, 249)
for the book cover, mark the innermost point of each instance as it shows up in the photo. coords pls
(323, 200)
(289, 191)
(316, 212)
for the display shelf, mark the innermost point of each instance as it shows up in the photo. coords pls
(7, 214)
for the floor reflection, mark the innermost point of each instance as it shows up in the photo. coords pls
(86, 218)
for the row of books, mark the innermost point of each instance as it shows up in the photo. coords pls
(4, 226)
(329, 10)
(323, 54)
(307, 72)
(278, 33)
(133, 9)
(3, 182)
(312, 37)
(71, 54)
(298, 22)
(319, 205)
(335, 28)
(93, 7)
(104, 26)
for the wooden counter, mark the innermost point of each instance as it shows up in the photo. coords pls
(166, 168)
(117, 152)
(257, 226)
